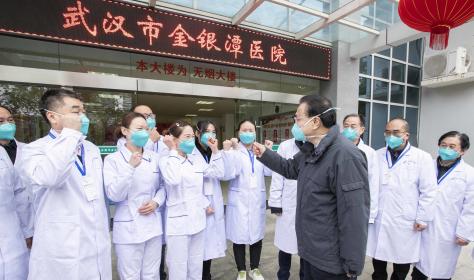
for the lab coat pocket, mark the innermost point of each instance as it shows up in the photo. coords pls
(353, 193)
(409, 210)
(62, 237)
(177, 210)
(456, 189)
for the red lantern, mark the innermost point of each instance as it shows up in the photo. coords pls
(436, 17)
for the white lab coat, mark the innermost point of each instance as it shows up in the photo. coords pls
(185, 211)
(71, 225)
(374, 178)
(215, 243)
(407, 194)
(246, 206)
(156, 147)
(283, 195)
(129, 188)
(453, 217)
(13, 251)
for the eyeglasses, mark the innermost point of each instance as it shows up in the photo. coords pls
(151, 115)
(396, 133)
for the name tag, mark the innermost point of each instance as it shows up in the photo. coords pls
(89, 189)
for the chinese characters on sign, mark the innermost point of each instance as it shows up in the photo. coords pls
(120, 25)
(181, 70)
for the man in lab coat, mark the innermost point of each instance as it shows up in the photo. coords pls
(406, 200)
(15, 208)
(354, 128)
(65, 173)
(282, 203)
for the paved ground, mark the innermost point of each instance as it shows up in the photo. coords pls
(224, 268)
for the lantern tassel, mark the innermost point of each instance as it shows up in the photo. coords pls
(439, 37)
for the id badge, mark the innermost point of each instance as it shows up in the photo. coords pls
(253, 181)
(89, 189)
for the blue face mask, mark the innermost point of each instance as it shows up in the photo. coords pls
(187, 146)
(84, 124)
(393, 141)
(7, 131)
(297, 133)
(350, 134)
(139, 138)
(151, 122)
(247, 137)
(447, 154)
(206, 136)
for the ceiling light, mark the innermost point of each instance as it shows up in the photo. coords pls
(190, 115)
(205, 102)
(205, 110)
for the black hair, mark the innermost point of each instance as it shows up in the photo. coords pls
(406, 125)
(52, 98)
(6, 108)
(316, 105)
(126, 121)
(361, 118)
(202, 125)
(244, 121)
(176, 129)
(463, 138)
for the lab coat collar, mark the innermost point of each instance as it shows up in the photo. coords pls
(53, 134)
(243, 149)
(127, 154)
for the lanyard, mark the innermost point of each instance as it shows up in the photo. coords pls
(252, 160)
(447, 173)
(82, 169)
(398, 159)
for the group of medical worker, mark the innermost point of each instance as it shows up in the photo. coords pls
(166, 190)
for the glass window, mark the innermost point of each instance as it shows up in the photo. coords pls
(396, 112)
(415, 50)
(413, 96)
(276, 121)
(400, 52)
(365, 66)
(378, 125)
(271, 15)
(412, 119)
(397, 93)
(300, 20)
(364, 110)
(380, 90)
(220, 7)
(385, 52)
(259, 80)
(364, 87)
(186, 3)
(383, 10)
(28, 53)
(398, 72)
(319, 5)
(381, 67)
(413, 75)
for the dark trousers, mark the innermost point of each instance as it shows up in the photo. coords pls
(163, 274)
(255, 253)
(400, 271)
(206, 270)
(313, 273)
(284, 261)
(418, 275)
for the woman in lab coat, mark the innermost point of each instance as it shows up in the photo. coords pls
(245, 216)
(13, 251)
(187, 207)
(132, 180)
(214, 234)
(453, 223)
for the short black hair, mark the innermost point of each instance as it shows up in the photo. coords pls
(463, 138)
(202, 125)
(361, 118)
(406, 125)
(317, 105)
(244, 121)
(6, 108)
(52, 98)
